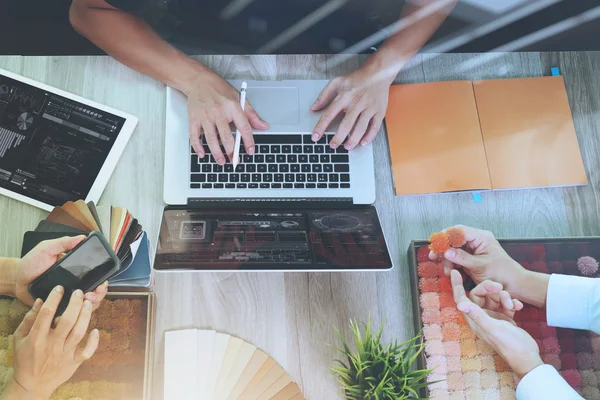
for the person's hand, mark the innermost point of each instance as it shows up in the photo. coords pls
(496, 327)
(490, 296)
(46, 357)
(42, 257)
(486, 259)
(212, 105)
(363, 96)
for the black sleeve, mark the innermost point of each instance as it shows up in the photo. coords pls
(127, 5)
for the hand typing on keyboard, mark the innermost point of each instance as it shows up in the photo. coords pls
(280, 161)
(212, 105)
(363, 96)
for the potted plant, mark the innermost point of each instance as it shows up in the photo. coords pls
(376, 371)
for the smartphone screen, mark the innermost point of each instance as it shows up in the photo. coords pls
(83, 269)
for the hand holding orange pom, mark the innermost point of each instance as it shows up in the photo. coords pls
(442, 241)
(439, 242)
(456, 237)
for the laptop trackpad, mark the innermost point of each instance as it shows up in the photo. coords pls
(276, 105)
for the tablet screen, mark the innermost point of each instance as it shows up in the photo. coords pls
(276, 239)
(51, 147)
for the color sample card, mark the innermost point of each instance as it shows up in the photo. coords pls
(467, 367)
(225, 367)
(483, 135)
(119, 227)
(181, 364)
(115, 372)
(61, 216)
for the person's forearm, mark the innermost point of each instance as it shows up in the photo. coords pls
(131, 41)
(573, 302)
(7, 276)
(14, 391)
(418, 22)
(532, 288)
(544, 382)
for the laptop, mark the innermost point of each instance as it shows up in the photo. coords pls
(287, 163)
(293, 205)
(56, 147)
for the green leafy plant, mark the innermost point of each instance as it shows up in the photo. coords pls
(376, 371)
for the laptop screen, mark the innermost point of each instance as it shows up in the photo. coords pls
(272, 240)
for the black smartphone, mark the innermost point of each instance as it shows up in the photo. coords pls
(85, 267)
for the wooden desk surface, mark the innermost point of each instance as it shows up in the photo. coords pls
(291, 315)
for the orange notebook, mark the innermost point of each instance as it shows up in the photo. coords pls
(482, 135)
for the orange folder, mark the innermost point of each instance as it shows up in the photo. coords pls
(482, 135)
(435, 139)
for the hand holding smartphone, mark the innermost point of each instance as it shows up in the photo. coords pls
(85, 267)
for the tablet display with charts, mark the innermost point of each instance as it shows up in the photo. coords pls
(54, 146)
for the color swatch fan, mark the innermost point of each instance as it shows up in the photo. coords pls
(217, 366)
(123, 232)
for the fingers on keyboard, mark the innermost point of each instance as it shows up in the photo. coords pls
(279, 162)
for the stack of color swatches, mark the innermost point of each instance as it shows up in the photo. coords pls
(115, 372)
(471, 370)
(217, 366)
(119, 227)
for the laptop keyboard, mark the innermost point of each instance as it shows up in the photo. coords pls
(279, 162)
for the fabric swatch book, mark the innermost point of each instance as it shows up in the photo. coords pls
(119, 227)
(482, 135)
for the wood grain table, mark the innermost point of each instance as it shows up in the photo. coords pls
(291, 315)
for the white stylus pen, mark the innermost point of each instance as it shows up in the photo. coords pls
(238, 137)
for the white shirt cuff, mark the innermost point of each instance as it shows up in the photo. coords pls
(568, 301)
(544, 382)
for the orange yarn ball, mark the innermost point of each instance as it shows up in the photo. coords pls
(456, 237)
(439, 242)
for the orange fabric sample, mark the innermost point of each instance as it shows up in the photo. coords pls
(456, 237)
(442, 241)
(429, 269)
(435, 139)
(439, 242)
(423, 254)
(501, 365)
(528, 132)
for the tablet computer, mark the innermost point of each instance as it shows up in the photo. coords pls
(55, 146)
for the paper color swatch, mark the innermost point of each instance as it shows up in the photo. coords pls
(483, 135)
(181, 358)
(217, 366)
